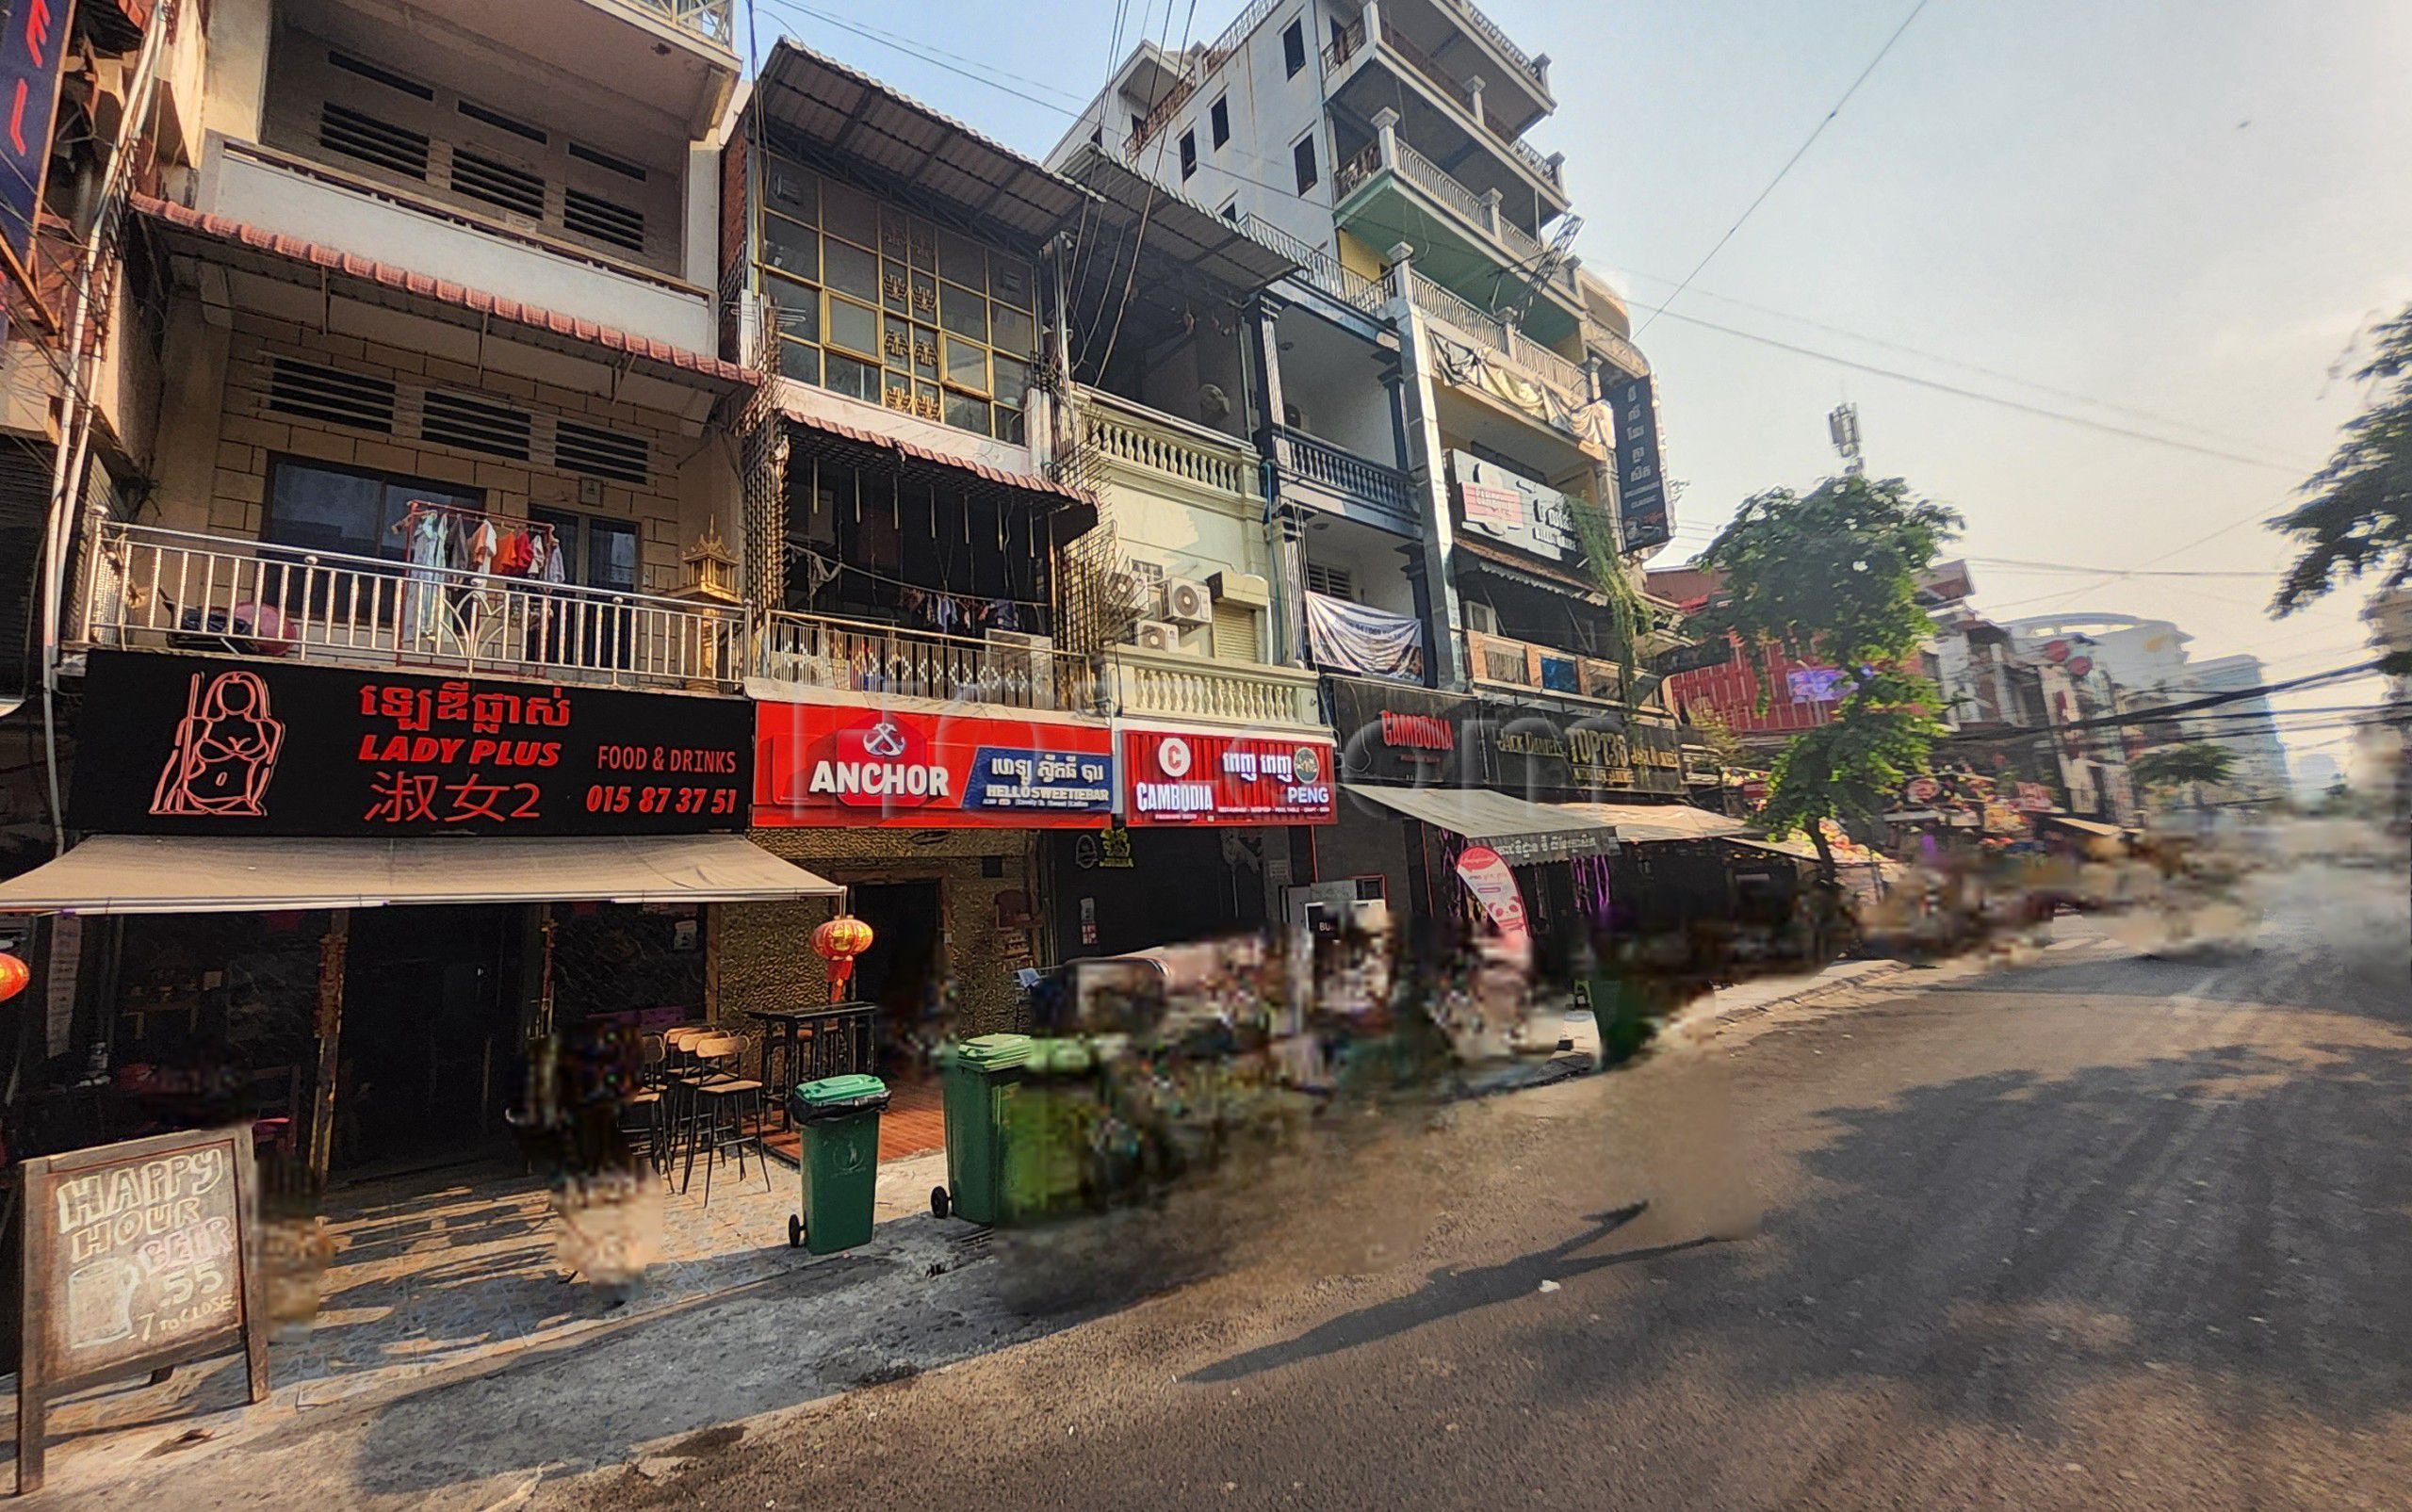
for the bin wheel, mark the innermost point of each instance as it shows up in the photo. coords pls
(939, 1202)
(795, 1230)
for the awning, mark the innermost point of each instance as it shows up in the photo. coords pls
(2108, 831)
(826, 437)
(1522, 833)
(206, 874)
(1644, 822)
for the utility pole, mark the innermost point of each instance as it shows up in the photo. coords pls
(1843, 425)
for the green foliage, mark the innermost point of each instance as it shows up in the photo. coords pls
(2176, 766)
(1627, 618)
(2356, 516)
(1831, 577)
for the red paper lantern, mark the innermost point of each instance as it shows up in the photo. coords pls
(837, 942)
(15, 975)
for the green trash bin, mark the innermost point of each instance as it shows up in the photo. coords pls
(837, 1120)
(978, 1080)
(1048, 1130)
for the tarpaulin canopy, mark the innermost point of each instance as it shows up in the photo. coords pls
(207, 874)
(1522, 833)
(1644, 822)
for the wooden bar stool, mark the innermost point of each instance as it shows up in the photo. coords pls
(726, 1110)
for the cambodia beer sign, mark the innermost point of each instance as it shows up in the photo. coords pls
(831, 764)
(195, 746)
(1183, 777)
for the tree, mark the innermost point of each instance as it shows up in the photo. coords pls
(2356, 516)
(1830, 579)
(2184, 765)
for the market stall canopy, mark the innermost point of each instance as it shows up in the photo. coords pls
(1644, 822)
(1522, 833)
(202, 874)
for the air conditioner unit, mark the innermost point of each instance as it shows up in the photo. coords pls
(1121, 587)
(1156, 634)
(1188, 601)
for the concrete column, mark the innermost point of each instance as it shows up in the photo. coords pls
(1386, 135)
(1474, 87)
(1541, 70)
(1263, 349)
(1372, 16)
(1432, 567)
(1490, 212)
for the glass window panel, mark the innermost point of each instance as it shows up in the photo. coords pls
(1009, 425)
(893, 237)
(853, 326)
(792, 190)
(963, 313)
(1012, 378)
(852, 270)
(925, 245)
(967, 414)
(963, 260)
(790, 247)
(800, 362)
(850, 213)
(799, 306)
(327, 509)
(967, 365)
(895, 286)
(1009, 279)
(925, 298)
(926, 402)
(1013, 331)
(896, 345)
(852, 379)
(925, 351)
(898, 395)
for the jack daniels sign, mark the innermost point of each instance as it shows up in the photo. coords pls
(192, 745)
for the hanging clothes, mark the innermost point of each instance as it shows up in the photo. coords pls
(426, 545)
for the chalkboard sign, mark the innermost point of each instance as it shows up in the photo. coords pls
(137, 1257)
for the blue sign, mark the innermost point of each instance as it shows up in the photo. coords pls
(1006, 780)
(1641, 486)
(32, 42)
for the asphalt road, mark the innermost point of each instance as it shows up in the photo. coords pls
(2105, 1230)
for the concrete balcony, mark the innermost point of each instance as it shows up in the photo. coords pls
(153, 589)
(1500, 663)
(278, 192)
(1389, 191)
(1498, 340)
(1120, 442)
(1316, 473)
(1454, 112)
(678, 57)
(1171, 685)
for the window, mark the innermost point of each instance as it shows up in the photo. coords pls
(1331, 582)
(1220, 118)
(595, 552)
(1231, 211)
(315, 506)
(1188, 153)
(1293, 48)
(1302, 157)
(886, 306)
(1138, 122)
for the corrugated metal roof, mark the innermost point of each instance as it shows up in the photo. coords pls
(1179, 229)
(1021, 482)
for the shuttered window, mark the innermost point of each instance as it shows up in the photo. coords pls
(466, 422)
(1235, 633)
(312, 392)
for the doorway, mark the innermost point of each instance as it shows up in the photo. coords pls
(431, 1042)
(900, 972)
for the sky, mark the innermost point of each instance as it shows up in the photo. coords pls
(2173, 217)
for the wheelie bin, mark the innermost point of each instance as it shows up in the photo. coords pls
(978, 1080)
(1049, 1155)
(837, 1121)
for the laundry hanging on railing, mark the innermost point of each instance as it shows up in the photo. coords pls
(1472, 367)
(1355, 638)
(926, 607)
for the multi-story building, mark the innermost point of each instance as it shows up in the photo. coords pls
(399, 580)
(2246, 727)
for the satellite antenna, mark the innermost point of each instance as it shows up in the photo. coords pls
(1843, 425)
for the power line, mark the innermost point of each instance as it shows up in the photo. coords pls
(1798, 153)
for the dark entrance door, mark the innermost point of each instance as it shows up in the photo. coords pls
(900, 970)
(431, 1042)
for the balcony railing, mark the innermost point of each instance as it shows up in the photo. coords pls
(1437, 75)
(1343, 472)
(1534, 69)
(843, 656)
(1544, 669)
(1175, 685)
(714, 19)
(175, 590)
(1500, 339)
(1320, 268)
(1432, 179)
(1115, 431)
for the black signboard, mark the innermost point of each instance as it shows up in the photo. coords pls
(1714, 652)
(1641, 486)
(1550, 755)
(1403, 735)
(194, 745)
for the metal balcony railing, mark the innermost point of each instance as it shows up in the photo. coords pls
(173, 590)
(1459, 93)
(713, 19)
(1498, 38)
(1344, 472)
(1318, 266)
(1176, 686)
(1500, 339)
(836, 655)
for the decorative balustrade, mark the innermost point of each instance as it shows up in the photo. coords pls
(173, 590)
(714, 19)
(845, 656)
(1501, 340)
(1320, 268)
(1534, 68)
(1499, 659)
(1432, 179)
(1176, 686)
(1344, 472)
(1117, 431)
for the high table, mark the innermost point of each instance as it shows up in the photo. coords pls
(814, 1041)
